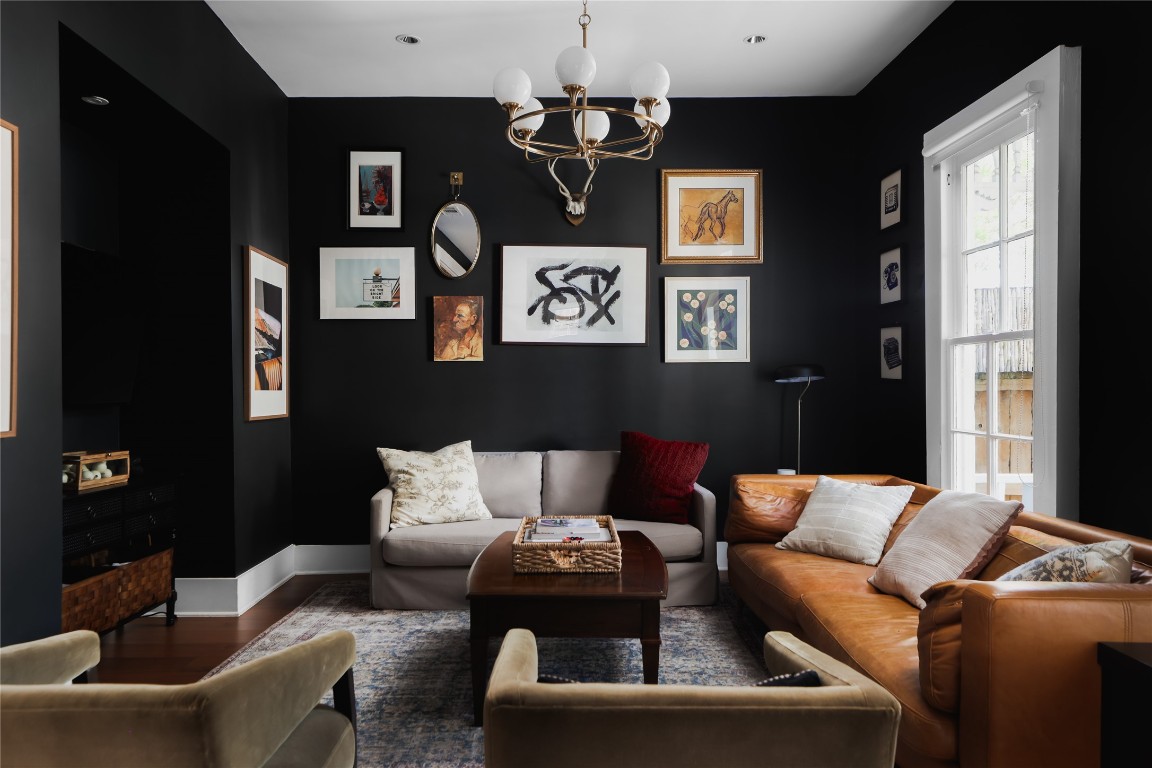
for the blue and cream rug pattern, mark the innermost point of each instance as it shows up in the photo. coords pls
(414, 688)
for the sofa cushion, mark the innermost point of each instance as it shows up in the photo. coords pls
(458, 544)
(952, 537)
(1103, 561)
(938, 642)
(847, 521)
(1020, 545)
(675, 541)
(577, 482)
(761, 511)
(655, 477)
(510, 482)
(439, 487)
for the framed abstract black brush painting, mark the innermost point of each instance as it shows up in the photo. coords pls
(573, 294)
(266, 327)
(706, 319)
(375, 188)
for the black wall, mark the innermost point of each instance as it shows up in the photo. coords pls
(356, 385)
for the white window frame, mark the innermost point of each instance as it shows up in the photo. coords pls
(1053, 83)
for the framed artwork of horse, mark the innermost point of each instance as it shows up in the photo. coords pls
(710, 217)
(266, 329)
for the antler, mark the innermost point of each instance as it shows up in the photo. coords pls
(577, 205)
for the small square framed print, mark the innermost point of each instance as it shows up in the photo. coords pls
(891, 352)
(891, 200)
(890, 288)
(375, 188)
(706, 320)
(710, 216)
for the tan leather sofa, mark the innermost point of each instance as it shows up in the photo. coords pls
(846, 721)
(990, 674)
(262, 713)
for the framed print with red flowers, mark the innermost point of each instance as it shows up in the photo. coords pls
(375, 188)
(706, 319)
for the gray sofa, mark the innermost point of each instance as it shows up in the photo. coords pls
(426, 566)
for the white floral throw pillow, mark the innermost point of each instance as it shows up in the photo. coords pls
(439, 487)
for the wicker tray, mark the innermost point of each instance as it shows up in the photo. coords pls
(566, 557)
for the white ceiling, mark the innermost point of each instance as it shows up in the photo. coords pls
(326, 48)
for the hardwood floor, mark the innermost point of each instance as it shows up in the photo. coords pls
(146, 651)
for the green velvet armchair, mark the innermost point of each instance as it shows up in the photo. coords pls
(848, 720)
(267, 712)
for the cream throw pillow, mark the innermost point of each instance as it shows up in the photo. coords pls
(847, 521)
(1104, 561)
(953, 536)
(440, 487)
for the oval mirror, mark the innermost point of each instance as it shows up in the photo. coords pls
(455, 239)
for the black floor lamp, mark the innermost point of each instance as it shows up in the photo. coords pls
(805, 373)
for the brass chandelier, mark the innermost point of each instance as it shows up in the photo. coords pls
(575, 69)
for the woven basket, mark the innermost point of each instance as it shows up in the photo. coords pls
(92, 603)
(563, 556)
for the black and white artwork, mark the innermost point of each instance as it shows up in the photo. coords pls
(890, 279)
(559, 294)
(891, 353)
(891, 200)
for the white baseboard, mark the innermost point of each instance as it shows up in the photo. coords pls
(234, 596)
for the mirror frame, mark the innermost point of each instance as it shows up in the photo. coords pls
(474, 257)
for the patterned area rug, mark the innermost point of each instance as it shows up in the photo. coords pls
(414, 689)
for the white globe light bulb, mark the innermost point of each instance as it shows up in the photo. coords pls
(575, 66)
(529, 123)
(598, 124)
(660, 113)
(650, 80)
(511, 86)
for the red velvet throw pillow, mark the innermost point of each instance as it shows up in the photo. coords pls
(654, 479)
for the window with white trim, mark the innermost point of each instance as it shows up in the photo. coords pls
(994, 257)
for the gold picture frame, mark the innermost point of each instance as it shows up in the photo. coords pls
(9, 272)
(710, 216)
(266, 328)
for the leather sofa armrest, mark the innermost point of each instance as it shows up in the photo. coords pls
(50, 660)
(702, 515)
(1028, 656)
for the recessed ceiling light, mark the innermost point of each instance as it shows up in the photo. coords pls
(408, 39)
(755, 39)
(99, 101)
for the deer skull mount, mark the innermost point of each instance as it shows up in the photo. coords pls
(577, 202)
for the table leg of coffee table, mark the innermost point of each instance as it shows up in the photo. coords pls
(478, 635)
(650, 640)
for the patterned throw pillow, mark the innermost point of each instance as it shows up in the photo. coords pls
(953, 536)
(1104, 561)
(654, 478)
(847, 521)
(805, 678)
(439, 487)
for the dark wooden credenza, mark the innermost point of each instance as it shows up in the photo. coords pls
(118, 550)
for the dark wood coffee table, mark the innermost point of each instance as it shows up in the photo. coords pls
(624, 604)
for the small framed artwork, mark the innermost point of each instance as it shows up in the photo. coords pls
(706, 319)
(375, 188)
(890, 276)
(573, 294)
(9, 272)
(266, 321)
(459, 328)
(891, 200)
(710, 217)
(891, 352)
(368, 283)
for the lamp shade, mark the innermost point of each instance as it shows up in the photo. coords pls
(512, 86)
(791, 374)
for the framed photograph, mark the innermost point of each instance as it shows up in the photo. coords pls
(266, 321)
(573, 294)
(458, 328)
(891, 352)
(710, 217)
(375, 188)
(368, 283)
(890, 276)
(706, 319)
(9, 274)
(891, 200)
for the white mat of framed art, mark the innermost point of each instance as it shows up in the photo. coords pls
(573, 294)
(706, 319)
(367, 283)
